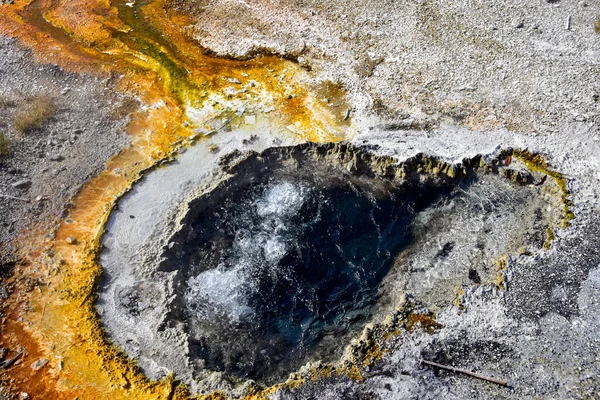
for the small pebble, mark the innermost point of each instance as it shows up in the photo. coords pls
(39, 364)
(517, 23)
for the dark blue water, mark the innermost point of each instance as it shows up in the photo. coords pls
(343, 244)
(273, 271)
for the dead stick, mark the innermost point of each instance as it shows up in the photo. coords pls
(13, 197)
(464, 371)
(69, 345)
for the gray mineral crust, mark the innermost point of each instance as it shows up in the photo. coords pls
(453, 80)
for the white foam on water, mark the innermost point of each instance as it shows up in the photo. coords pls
(274, 249)
(282, 199)
(258, 247)
(218, 291)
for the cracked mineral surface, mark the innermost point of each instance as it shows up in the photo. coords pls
(297, 200)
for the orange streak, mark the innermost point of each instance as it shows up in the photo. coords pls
(60, 321)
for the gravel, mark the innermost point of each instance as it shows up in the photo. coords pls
(54, 161)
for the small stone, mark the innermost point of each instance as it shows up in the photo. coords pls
(56, 157)
(22, 184)
(230, 91)
(23, 396)
(213, 148)
(517, 23)
(234, 80)
(39, 364)
(4, 294)
(71, 240)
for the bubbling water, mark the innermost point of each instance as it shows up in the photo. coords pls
(261, 244)
(283, 268)
(293, 250)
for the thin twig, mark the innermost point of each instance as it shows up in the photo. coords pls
(347, 116)
(86, 298)
(69, 345)
(464, 371)
(13, 197)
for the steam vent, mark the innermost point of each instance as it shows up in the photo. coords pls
(293, 200)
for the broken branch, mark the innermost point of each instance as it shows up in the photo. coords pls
(469, 373)
(14, 198)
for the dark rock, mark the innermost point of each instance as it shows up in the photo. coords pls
(4, 293)
(22, 184)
